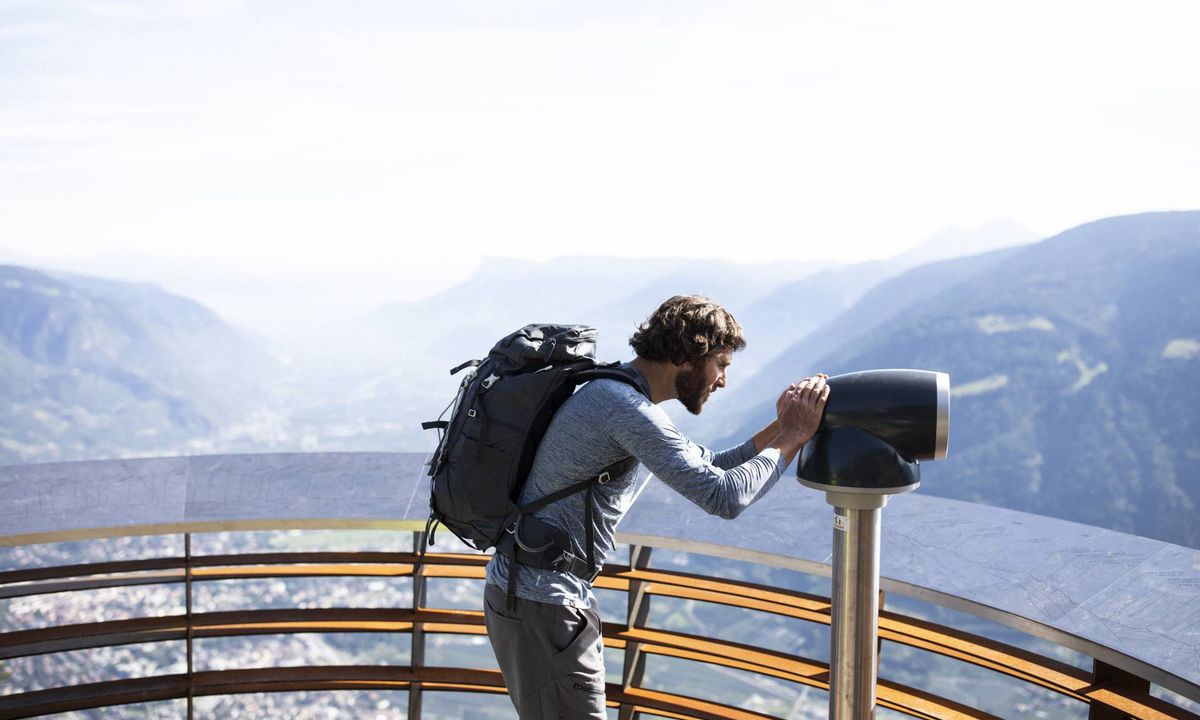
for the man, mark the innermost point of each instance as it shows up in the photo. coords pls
(547, 640)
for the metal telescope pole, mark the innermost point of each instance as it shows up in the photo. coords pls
(877, 426)
(858, 499)
(854, 660)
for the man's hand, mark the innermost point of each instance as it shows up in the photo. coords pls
(800, 406)
(797, 416)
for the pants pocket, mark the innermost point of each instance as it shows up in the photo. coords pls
(569, 697)
(583, 653)
(495, 605)
(578, 686)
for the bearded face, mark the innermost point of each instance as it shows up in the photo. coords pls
(692, 387)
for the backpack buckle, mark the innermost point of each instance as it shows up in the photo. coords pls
(604, 478)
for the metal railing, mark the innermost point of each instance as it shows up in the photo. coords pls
(1108, 692)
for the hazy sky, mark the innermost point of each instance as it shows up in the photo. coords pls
(314, 137)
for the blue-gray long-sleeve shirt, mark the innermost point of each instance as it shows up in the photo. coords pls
(603, 423)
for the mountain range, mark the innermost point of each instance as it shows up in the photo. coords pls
(1074, 364)
(1074, 361)
(95, 368)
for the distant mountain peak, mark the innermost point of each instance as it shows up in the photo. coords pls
(956, 241)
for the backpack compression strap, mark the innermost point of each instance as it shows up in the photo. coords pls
(444, 424)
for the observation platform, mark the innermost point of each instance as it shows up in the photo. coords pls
(1129, 604)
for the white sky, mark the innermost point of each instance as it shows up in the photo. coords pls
(304, 138)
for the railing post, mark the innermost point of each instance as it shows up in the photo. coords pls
(418, 629)
(638, 609)
(1114, 678)
(187, 600)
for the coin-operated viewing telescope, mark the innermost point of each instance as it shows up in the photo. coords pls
(878, 425)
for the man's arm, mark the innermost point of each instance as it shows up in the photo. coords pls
(763, 437)
(646, 433)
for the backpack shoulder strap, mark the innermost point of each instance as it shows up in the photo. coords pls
(613, 372)
(585, 569)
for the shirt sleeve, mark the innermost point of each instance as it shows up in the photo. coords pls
(722, 484)
(734, 456)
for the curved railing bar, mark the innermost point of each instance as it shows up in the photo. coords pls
(1022, 665)
(1028, 667)
(654, 642)
(71, 501)
(259, 680)
(787, 667)
(1000, 616)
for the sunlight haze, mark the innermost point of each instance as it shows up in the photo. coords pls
(407, 140)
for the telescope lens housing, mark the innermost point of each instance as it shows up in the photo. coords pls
(909, 409)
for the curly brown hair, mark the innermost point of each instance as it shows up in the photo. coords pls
(685, 329)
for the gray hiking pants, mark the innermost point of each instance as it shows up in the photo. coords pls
(551, 657)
